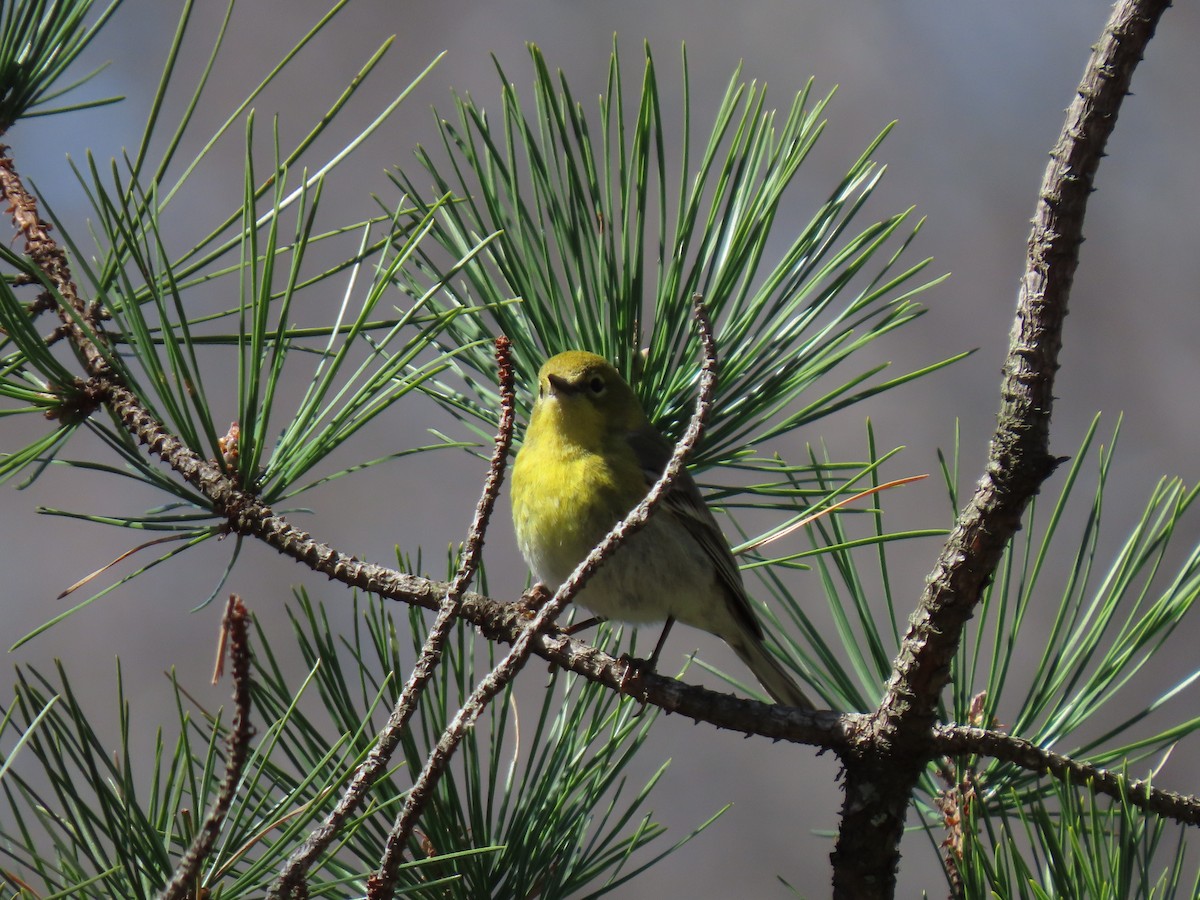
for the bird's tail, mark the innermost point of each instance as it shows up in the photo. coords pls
(778, 683)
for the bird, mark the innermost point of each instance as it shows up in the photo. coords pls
(589, 456)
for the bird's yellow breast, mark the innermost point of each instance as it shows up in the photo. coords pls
(566, 494)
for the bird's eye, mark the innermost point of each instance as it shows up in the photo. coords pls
(596, 385)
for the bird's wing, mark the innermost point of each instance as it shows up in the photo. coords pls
(685, 503)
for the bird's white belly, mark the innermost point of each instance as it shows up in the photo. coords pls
(659, 571)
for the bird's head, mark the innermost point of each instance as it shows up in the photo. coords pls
(586, 399)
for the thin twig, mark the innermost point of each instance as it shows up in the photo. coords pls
(382, 885)
(291, 881)
(184, 883)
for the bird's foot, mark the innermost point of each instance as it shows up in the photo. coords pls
(576, 627)
(635, 669)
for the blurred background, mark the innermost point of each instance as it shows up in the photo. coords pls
(978, 92)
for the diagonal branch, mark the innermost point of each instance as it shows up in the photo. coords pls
(290, 882)
(1019, 458)
(382, 885)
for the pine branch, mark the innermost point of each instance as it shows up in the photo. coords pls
(849, 735)
(956, 740)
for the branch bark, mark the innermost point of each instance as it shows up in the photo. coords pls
(957, 739)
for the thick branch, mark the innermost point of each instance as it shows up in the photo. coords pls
(498, 621)
(1019, 458)
(878, 786)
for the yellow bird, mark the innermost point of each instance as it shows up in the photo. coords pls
(590, 456)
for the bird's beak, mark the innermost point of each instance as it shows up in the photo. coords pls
(560, 385)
